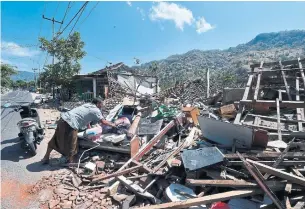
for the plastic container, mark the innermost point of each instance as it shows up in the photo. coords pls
(93, 133)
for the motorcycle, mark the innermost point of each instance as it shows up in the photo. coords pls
(31, 133)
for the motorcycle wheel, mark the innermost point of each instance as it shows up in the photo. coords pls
(32, 148)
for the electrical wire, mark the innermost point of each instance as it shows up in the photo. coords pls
(41, 23)
(56, 10)
(72, 19)
(44, 10)
(88, 14)
(66, 12)
(78, 18)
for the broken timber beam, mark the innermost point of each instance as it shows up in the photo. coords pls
(157, 138)
(118, 173)
(300, 155)
(260, 181)
(209, 199)
(188, 141)
(280, 159)
(257, 85)
(279, 131)
(301, 71)
(134, 126)
(227, 183)
(104, 147)
(245, 97)
(283, 163)
(270, 64)
(300, 135)
(285, 81)
(284, 175)
(300, 112)
(272, 103)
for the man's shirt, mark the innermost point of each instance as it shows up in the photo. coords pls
(79, 117)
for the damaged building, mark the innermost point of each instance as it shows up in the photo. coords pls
(238, 149)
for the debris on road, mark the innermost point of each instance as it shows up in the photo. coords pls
(231, 150)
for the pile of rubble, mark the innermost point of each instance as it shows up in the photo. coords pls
(240, 151)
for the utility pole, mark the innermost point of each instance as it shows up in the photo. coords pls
(34, 69)
(53, 21)
(39, 77)
(208, 82)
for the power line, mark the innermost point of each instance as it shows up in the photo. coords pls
(72, 19)
(97, 58)
(78, 18)
(66, 12)
(88, 14)
(44, 10)
(56, 9)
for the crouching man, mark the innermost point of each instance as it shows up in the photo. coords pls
(65, 138)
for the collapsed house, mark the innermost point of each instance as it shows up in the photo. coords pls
(237, 150)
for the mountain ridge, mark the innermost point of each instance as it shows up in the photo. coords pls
(234, 61)
(23, 75)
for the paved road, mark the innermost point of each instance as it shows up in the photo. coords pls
(18, 169)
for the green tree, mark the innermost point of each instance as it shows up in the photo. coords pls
(20, 84)
(68, 53)
(6, 72)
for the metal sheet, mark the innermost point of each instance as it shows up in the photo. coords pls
(226, 133)
(113, 112)
(146, 127)
(199, 158)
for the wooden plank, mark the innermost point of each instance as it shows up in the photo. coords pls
(207, 199)
(227, 183)
(220, 183)
(285, 81)
(245, 97)
(248, 86)
(301, 71)
(280, 96)
(270, 64)
(118, 173)
(297, 172)
(278, 119)
(134, 146)
(104, 147)
(300, 135)
(280, 159)
(257, 85)
(273, 118)
(188, 141)
(283, 163)
(300, 205)
(268, 169)
(289, 155)
(272, 103)
(300, 115)
(258, 81)
(264, 127)
(261, 182)
(156, 138)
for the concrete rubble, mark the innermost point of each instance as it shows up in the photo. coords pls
(196, 153)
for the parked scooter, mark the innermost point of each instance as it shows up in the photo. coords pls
(31, 132)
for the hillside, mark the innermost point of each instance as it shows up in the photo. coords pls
(23, 75)
(228, 67)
